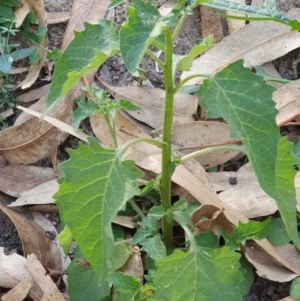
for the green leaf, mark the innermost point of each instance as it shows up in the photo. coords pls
(240, 97)
(89, 49)
(21, 54)
(144, 25)
(120, 256)
(185, 61)
(295, 288)
(96, 186)
(65, 239)
(241, 233)
(277, 234)
(202, 274)
(154, 247)
(115, 3)
(124, 282)
(296, 151)
(267, 12)
(54, 54)
(157, 212)
(207, 240)
(83, 284)
(34, 57)
(5, 63)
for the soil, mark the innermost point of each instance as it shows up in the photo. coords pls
(115, 73)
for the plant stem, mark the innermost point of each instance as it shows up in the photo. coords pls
(181, 84)
(111, 130)
(212, 150)
(136, 208)
(123, 242)
(167, 133)
(156, 59)
(178, 27)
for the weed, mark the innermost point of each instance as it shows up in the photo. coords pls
(98, 182)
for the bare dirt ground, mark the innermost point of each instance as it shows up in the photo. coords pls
(115, 73)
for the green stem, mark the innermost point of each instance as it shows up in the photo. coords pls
(111, 130)
(123, 242)
(178, 27)
(136, 208)
(184, 81)
(156, 59)
(210, 150)
(167, 133)
(126, 145)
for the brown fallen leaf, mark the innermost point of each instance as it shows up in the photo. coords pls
(20, 291)
(233, 24)
(84, 11)
(254, 43)
(34, 239)
(267, 267)
(44, 281)
(151, 102)
(40, 194)
(33, 94)
(214, 217)
(287, 100)
(134, 265)
(211, 23)
(21, 12)
(15, 179)
(189, 137)
(58, 17)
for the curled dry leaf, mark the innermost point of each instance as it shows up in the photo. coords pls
(268, 267)
(151, 102)
(34, 239)
(255, 44)
(192, 136)
(15, 179)
(214, 217)
(21, 12)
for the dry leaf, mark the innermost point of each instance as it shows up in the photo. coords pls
(257, 3)
(287, 100)
(214, 217)
(234, 25)
(151, 102)
(84, 11)
(33, 94)
(58, 17)
(192, 136)
(38, 273)
(7, 113)
(256, 43)
(20, 291)
(57, 123)
(268, 267)
(34, 239)
(211, 24)
(167, 7)
(134, 265)
(15, 179)
(40, 194)
(21, 12)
